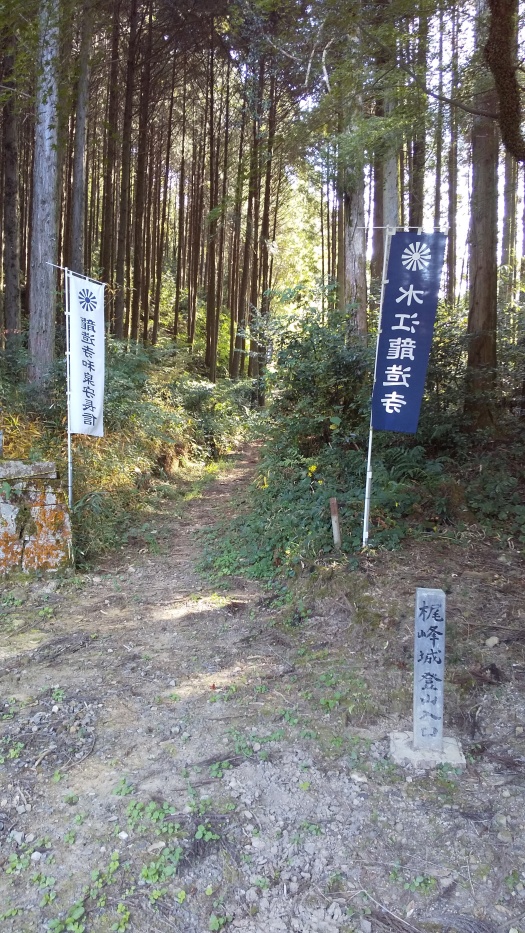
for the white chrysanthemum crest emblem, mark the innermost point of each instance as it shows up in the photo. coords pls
(87, 299)
(416, 256)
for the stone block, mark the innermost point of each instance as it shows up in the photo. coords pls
(402, 751)
(35, 529)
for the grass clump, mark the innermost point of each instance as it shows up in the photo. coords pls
(162, 426)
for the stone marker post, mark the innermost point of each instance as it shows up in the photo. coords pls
(429, 669)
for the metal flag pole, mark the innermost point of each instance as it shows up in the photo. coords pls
(68, 371)
(368, 489)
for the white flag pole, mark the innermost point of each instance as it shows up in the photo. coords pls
(368, 489)
(68, 371)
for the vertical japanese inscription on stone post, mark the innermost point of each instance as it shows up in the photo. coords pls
(429, 668)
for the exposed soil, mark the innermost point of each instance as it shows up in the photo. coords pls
(177, 756)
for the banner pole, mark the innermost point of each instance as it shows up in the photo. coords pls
(390, 231)
(68, 372)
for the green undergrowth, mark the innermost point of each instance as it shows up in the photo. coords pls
(165, 428)
(448, 479)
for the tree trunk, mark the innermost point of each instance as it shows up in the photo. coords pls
(355, 254)
(266, 240)
(108, 234)
(439, 133)
(12, 309)
(140, 185)
(211, 358)
(123, 232)
(507, 270)
(418, 149)
(482, 319)
(180, 224)
(165, 191)
(42, 293)
(453, 175)
(78, 193)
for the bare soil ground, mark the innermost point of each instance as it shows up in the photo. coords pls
(177, 756)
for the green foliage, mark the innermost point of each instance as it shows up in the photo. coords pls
(163, 867)
(316, 448)
(123, 788)
(159, 421)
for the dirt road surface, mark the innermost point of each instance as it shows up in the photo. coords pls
(177, 754)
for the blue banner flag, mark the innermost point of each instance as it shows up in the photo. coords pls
(407, 322)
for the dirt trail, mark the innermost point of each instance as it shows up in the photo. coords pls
(179, 757)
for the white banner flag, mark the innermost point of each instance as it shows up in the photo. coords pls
(86, 360)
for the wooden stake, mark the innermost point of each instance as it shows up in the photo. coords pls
(335, 523)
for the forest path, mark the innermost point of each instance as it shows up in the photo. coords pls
(182, 757)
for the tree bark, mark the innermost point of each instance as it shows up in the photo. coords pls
(108, 233)
(42, 292)
(11, 257)
(140, 185)
(165, 191)
(482, 318)
(180, 224)
(453, 175)
(125, 175)
(78, 193)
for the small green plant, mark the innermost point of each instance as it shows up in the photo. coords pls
(158, 893)
(11, 912)
(335, 882)
(18, 863)
(46, 612)
(290, 716)
(163, 867)
(72, 922)
(47, 898)
(243, 746)
(331, 702)
(122, 924)
(423, 884)
(43, 881)
(57, 776)
(9, 752)
(10, 601)
(123, 788)
(218, 768)
(70, 837)
(217, 922)
(513, 879)
(205, 832)
(395, 873)
(312, 828)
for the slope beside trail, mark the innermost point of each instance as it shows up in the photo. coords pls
(180, 756)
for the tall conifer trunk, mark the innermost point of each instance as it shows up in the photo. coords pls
(125, 174)
(140, 185)
(12, 309)
(482, 318)
(78, 194)
(44, 221)
(180, 222)
(108, 234)
(453, 175)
